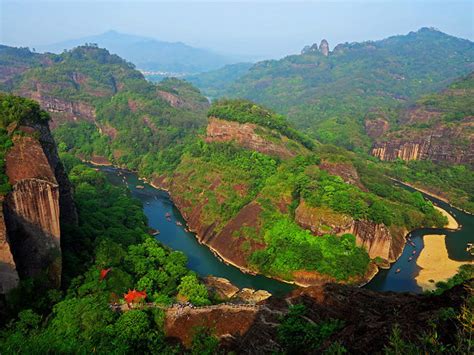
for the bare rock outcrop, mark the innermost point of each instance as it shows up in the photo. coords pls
(63, 110)
(8, 274)
(441, 143)
(376, 128)
(324, 48)
(32, 210)
(224, 290)
(40, 200)
(251, 136)
(377, 239)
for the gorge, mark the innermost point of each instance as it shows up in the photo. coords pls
(158, 203)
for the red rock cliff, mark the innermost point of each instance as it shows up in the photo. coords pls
(40, 200)
(251, 136)
(377, 239)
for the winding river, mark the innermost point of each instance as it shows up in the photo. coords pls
(157, 204)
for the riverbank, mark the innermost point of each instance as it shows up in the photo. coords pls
(432, 194)
(435, 263)
(160, 184)
(452, 223)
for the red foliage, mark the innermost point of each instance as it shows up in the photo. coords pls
(134, 296)
(103, 273)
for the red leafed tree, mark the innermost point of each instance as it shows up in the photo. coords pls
(133, 296)
(103, 273)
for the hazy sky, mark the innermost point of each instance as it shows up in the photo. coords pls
(259, 28)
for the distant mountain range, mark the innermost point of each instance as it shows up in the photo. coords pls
(149, 54)
(332, 94)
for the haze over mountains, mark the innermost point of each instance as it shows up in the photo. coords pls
(150, 54)
(331, 95)
(309, 200)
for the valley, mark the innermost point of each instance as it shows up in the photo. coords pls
(273, 215)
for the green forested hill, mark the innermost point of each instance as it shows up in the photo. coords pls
(101, 105)
(330, 96)
(214, 82)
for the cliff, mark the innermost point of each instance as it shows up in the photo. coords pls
(32, 210)
(62, 110)
(8, 273)
(252, 136)
(377, 239)
(452, 144)
(39, 202)
(439, 128)
(367, 317)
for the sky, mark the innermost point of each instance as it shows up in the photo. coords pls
(259, 28)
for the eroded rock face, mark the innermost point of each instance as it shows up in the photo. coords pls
(220, 287)
(8, 274)
(440, 142)
(377, 239)
(250, 136)
(32, 210)
(324, 48)
(376, 128)
(224, 290)
(62, 110)
(249, 295)
(40, 200)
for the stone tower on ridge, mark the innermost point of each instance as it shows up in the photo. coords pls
(324, 48)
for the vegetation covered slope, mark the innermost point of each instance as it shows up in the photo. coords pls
(105, 256)
(329, 96)
(109, 252)
(242, 204)
(440, 127)
(111, 109)
(432, 146)
(215, 82)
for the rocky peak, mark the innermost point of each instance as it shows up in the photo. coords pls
(324, 48)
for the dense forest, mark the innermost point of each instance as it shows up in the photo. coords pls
(280, 186)
(330, 97)
(112, 236)
(110, 252)
(101, 107)
(135, 116)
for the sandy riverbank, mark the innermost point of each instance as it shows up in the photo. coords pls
(452, 223)
(435, 263)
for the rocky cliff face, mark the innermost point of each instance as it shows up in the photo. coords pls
(222, 241)
(376, 128)
(442, 143)
(62, 110)
(324, 48)
(377, 239)
(368, 318)
(8, 273)
(40, 200)
(251, 136)
(440, 127)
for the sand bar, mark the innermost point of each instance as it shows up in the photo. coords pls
(435, 263)
(452, 223)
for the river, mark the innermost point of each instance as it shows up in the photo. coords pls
(157, 204)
